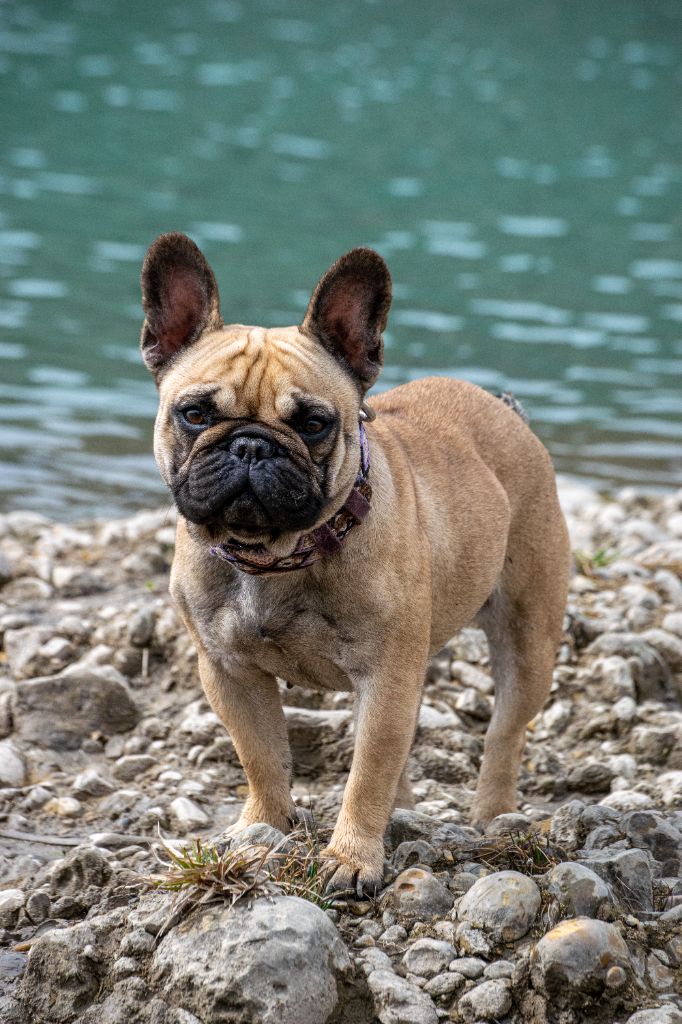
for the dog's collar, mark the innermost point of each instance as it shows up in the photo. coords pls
(321, 542)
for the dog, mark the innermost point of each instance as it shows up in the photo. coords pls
(337, 550)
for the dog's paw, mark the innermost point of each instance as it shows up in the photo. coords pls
(483, 811)
(359, 872)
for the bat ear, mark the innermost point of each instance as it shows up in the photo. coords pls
(179, 297)
(348, 312)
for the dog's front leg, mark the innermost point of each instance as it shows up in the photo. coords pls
(250, 708)
(386, 714)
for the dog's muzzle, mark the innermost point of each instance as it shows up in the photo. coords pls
(249, 483)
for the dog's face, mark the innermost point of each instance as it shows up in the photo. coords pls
(257, 429)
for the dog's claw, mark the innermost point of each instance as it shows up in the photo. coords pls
(345, 880)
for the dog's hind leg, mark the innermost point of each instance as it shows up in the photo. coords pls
(522, 620)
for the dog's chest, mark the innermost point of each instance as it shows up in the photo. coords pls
(297, 639)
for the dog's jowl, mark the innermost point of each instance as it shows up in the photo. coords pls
(333, 550)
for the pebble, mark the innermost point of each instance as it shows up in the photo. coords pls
(416, 893)
(186, 814)
(90, 783)
(38, 906)
(490, 1000)
(575, 956)
(398, 1001)
(64, 807)
(503, 904)
(468, 966)
(12, 765)
(579, 891)
(11, 902)
(428, 957)
(393, 935)
(628, 872)
(130, 766)
(443, 985)
(505, 823)
(141, 627)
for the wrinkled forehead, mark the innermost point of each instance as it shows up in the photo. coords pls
(257, 371)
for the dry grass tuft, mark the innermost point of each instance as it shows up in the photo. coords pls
(202, 873)
(531, 853)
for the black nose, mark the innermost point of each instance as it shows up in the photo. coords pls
(252, 449)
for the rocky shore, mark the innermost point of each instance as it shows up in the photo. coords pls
(569, 911)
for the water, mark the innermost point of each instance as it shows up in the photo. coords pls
(519, 169)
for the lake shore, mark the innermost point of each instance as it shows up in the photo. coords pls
(105, 738)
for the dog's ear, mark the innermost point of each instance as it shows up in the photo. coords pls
(179, 297)
(348, 312)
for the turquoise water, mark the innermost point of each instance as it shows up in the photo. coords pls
(519, 166)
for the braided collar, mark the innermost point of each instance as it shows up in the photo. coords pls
(319, 543)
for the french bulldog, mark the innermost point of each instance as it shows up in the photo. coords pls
(334, 550)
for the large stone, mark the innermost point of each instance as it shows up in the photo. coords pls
(416, 893)
(83, 867)
(580, 955)
(504, 905)
(279, 961)
(398, 1001)
(61, 711)
(579, 891)
(66, 967)
(657, 1015)
(629, 874)
(650, 830)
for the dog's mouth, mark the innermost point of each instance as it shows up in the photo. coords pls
(252, 500)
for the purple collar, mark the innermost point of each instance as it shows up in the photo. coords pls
(325, 540)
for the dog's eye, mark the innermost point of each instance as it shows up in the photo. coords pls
(194, 416)
(314, 425)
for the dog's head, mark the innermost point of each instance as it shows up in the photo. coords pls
(257, 429)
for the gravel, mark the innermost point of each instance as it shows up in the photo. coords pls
(569, 910)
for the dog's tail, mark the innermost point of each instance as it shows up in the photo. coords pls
(513, 403)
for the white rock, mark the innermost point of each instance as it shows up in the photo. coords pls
(557, 715)
(674, 524)
(91, 783)
(398, 1001)
(12, 766)
(186, 814)
(670, 784)
(279, 961)
(431, 718)
(11, 901)
(428, 957)
(64, 806)
(503, 904)
(471, 702)
(625, 709)
(471, 676)
(627, 800)
(673, 623)
(582, 892)
(577, 955)
(490, 1000)
(417, 893)
(659, 1015)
